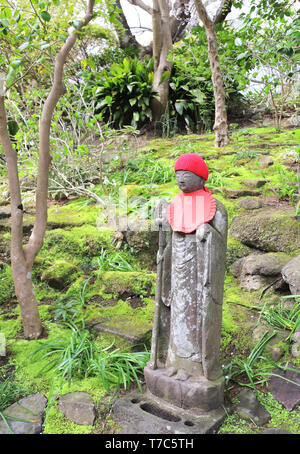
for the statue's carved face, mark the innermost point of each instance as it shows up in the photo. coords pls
(188, 181)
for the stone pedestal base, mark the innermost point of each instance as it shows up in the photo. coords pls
(146, 414)
(195, 394)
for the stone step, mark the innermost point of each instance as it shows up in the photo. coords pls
(129, 329)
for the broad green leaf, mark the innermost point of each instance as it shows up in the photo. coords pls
(165, 76)
(132, 101)
(45, 16)
(179, 107)
(4, 22)
(136, 116)
(108, 100)
(10, 77)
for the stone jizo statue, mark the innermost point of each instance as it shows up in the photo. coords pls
(184, 369)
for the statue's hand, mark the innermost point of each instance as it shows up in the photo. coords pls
(159, 257)
(160, 213)
(203, 231)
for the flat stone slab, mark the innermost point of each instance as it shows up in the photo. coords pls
(139, 413)
(284, 391)
(250, 203)
(236, 193)
(254, 183)
(78, 407)
(30, 409)
(123, 326)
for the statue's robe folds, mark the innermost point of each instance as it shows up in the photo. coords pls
(189, 374)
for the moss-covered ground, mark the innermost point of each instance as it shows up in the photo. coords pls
(83, 273)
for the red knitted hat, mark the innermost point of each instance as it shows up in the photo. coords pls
(194, 163)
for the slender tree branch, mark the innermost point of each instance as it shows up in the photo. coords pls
(203, 15)
(142, 5)
(36, 238)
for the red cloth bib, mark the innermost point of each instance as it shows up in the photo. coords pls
(189, 210)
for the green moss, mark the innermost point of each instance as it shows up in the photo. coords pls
(236, 322)
(280, 416)
(43, 292)
(235, 251)
(233, 424)
(77, 243)
(45, 312)
(112, 284)
(7, 291)
(143, 313)
(73, 213)
(60, 273)
(270, 231)
(57, 423)
(10, 328)
(28, 367)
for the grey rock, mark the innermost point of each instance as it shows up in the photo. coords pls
(265, 161)
(268, 230)
(269, 264)
(259, 331)
(291, 275)
(254, 183)
(78, 407)
(259, 270)
(2, 344)
(124, 327)
(250, 203)
(31, 410)
(276, 353)
(284, 386)
(236, 193)
(254, 282)
(295, 350)
(237, 267)
(249, 408)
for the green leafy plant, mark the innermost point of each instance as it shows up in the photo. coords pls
(111, 262)
(281, 317)
(288, 183)
(65, 310)
(191, 91)
(70, 357)
(148, 170)
(124, 92)
(256, 368)
(118, 367)
(79, 356)
(245, 154)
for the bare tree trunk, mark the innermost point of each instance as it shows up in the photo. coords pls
(162, 44)
(221, 124)
(22, 258)
(166, 29)
(21, 271)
